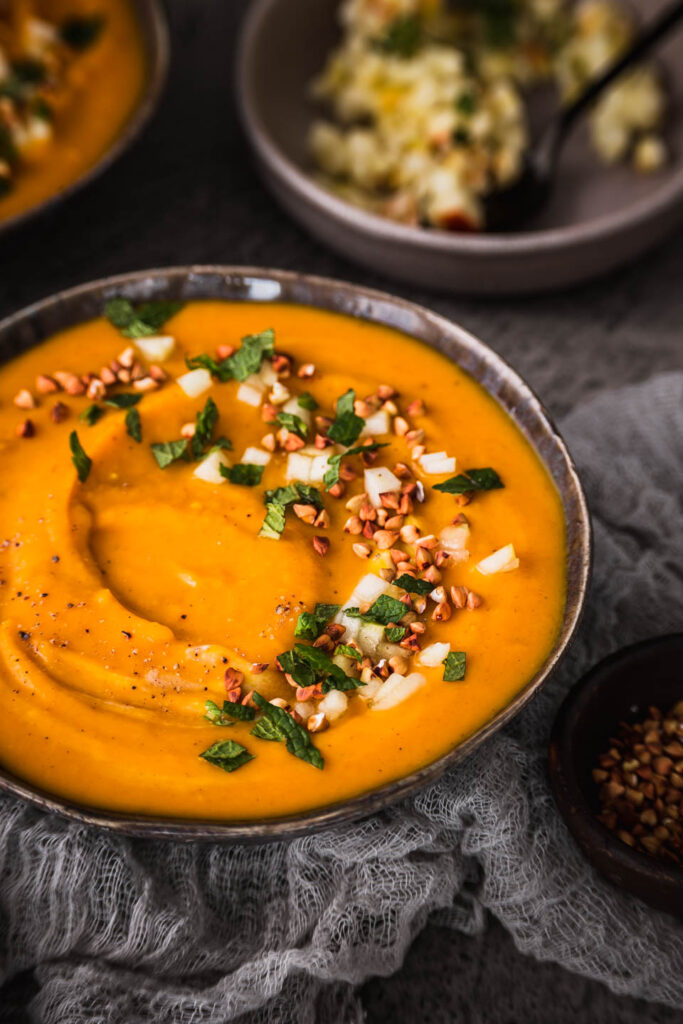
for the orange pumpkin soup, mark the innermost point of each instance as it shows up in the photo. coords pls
(212, 604)
(71, 74)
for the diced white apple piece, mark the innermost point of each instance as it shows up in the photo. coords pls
(299, 467)
(305, 709)
(157, 349)
(195, 383)
(378, 480)
(370, 689)
(378, 423)
(318, 469)
(368, 588)
(433, 656)
(249, 394)
(279, 394)
(387, 650)
(396, 689)
(370, 635)
(454, 540)
(333, 705)
(502, 560)
(437, 462)
(255, 457)
(266, 375)
(292, 405)
(209, 469)
(350, 624)
(345, 663)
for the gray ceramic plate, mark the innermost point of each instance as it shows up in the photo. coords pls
(30, 326)
(155, 36)
(598, 219)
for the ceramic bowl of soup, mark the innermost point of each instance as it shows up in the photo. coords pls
(78, 82)
(276, 550)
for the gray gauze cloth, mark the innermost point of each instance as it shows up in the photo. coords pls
(130, 932)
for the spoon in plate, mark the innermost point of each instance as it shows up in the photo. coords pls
(507, 209)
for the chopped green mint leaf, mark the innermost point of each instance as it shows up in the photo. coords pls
(126, 401)
(455, 664)
(485, 479)
(227, 754)
(395, 634)
(242, 363)
(267, 730)
(80, 460)
(239, 712)
(347, 426)
(298, 492)
(133, 425)
(297, 738)
(167, 452)
(144, 321)
(307, 401)
(293, 423)
(274, 522)
(412, 585)
(402, 37)
(325, 612)
(205, 423)
(221, 444)
(349, 652)
(466, 103)
(213, 714)
(471, 480)
(383, 611)
(92, 414)
(206, 362)
(248, 358)
(346, 402)
(244, 473)
(81, 31)
(307, 627)
(334, 462)
(277, 501)
(309, 665)
(301, 671)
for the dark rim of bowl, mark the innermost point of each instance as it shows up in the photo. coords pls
(570, 792)
(27, 327)
(154, 29)
(668, 197)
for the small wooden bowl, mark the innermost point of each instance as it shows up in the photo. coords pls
(620, 688)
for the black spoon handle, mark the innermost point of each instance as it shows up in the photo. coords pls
(646, 39)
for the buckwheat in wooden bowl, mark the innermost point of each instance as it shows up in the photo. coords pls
(638, 685)
(277, 551)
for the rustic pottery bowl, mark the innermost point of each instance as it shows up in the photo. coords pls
(155, 37)
(31, 325)
(598, 218)
(621, 687)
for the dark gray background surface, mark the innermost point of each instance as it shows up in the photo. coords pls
(188, 192)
